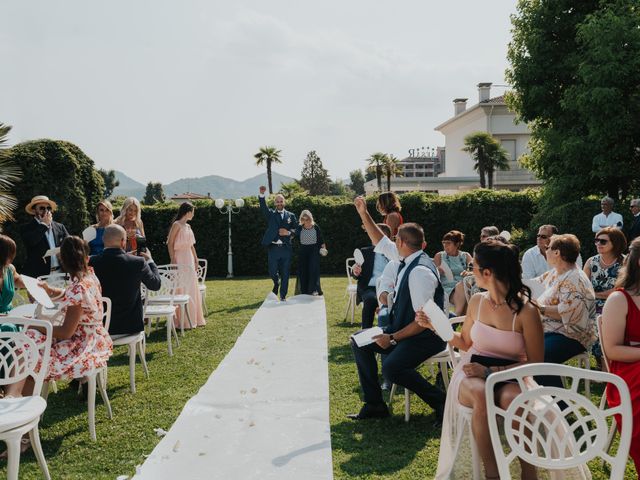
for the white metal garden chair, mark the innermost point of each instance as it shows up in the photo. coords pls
(19, 356)
(603, 400)
(169, 295)
(203, 266)
(351, 291)
(96, 379)
(539, 432)
(442, 360)
(134, 341)
(162, 310)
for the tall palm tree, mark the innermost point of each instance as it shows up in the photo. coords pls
(488, 154)
(10, 174)
(268, 155)
(392, 168)
(377, 161)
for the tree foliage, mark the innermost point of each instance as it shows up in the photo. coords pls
(268, 156)
(337, 188)
(110, 181)
(292, 189)
(314, 177)
(153, 194)
(488, 156)
(357, 181)
(575, 69)
(391, 169)
(377, 161)
(10, 173)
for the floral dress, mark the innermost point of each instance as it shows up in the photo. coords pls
(90, 346)
(603, 278)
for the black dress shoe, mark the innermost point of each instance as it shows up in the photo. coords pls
(370, 410)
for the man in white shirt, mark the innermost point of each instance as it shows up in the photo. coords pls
(608, 218)
(534, 260)
(406, 344)
(634, 230)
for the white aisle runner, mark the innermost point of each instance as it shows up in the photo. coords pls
(264, 412)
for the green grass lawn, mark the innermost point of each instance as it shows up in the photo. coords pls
(387, 448)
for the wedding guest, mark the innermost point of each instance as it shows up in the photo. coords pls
(120, 276)
(489, 231)
(9, 277)
(41, 234)
(311, 247)
(130, 219)
(608, 218)
(182, 251)
(452, 261)
(502, 329)
(80, 344)
(388, 205)
(620, 339)
(602, 269)
(634, 229)
(281, 226)
(534, 260)
(104, 217)
(367, 276)
(567, 305)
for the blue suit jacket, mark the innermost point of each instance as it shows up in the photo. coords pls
(276, 222)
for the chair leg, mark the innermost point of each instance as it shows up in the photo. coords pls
(54, 386)
(203, 297)
(132, 366)
(175, 333)
(392, 392)
(169, 326)
(353, 310)
(102, 386)
(346, 313)
(91, 406)
(182, 314)
(186, 309)
(475, 457)
(13, 456)
(407, 404)
(444, 368)
(34, 436)
(143, 356)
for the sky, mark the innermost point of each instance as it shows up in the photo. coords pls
(163, 90)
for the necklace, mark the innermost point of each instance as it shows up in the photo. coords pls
(495, 305)
(607, 265)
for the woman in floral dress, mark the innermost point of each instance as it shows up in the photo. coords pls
(80, 344)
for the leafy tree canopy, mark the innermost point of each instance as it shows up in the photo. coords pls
(314, 177)
(357, 181)
(153, 194)
(110, 181)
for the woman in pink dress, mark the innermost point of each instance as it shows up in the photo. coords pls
(181, 243)
(621, 339)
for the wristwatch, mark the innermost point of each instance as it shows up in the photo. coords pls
(543, 309)
(392, 340)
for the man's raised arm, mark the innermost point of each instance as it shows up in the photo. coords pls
(375, 234)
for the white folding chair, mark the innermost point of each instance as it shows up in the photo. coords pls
(134, 341)
(584, 361)
(603, 400)
(180, 274)
(162, 310)
(203, 266)
(542, 434)
(96, 380)
(19, 356)
(351, 291)
(442, 359)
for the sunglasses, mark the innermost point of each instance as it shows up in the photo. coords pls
(544, 237)
(42, 209)
(601, 241)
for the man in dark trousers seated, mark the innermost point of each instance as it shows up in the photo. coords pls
(367, 276)
(406, 343)
(120, 275)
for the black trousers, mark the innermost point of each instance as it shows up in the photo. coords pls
(400, 368)
(369, 305)
(309, 269)
(279, 258)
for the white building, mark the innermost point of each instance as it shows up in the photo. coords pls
(488, 115)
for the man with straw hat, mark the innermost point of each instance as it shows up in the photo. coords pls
(40, 235)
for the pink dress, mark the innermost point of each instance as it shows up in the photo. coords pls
(90, 346)
(183, 256)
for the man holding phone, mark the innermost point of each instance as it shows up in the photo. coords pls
(41, 234)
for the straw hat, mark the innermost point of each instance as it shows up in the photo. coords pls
(37, 200)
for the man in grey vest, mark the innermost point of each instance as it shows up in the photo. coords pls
(406, 344)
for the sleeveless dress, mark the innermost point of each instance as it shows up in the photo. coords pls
(183, 256)
(487, 341)
(8, 290)
(90, 345)
(603, 278)
(457, 265)
(630, 373)
(96, 246)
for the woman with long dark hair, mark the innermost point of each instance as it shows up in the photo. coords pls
(621, 337)
(182, 251)
(388, 205)
(502, 329)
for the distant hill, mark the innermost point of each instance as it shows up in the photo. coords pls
(215, 185)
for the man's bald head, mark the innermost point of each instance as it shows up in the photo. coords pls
(279, 201)
(113, 236)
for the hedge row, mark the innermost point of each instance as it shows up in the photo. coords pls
(520, 213)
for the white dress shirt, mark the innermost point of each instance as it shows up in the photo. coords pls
(601, 221)
(535, 264)
(422, 281)
(52, 243)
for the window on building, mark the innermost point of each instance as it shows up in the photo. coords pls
(408, 174)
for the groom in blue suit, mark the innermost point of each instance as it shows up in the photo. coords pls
(281, 226)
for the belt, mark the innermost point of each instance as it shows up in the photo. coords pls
(274, 244)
